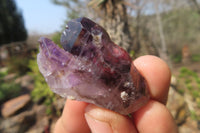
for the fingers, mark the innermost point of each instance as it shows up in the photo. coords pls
(157, 74)
(105, 121)
(154, 118)
(72, 119)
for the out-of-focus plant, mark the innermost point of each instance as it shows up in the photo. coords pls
(132, 54)
(196, 57)
(176, 58)
(8, 89)
(18, 64)
(191, 83)
(12, 27)
(56, 38)
(41, 90)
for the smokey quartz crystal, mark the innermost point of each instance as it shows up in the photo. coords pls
(92, 68)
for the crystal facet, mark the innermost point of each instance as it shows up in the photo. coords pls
(92, 68)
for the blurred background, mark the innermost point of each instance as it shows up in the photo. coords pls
(165, 28)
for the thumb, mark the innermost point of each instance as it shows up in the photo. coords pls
(105, 121)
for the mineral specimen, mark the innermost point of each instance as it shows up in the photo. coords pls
(92, 68)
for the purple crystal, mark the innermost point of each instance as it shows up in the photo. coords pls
(92, 68)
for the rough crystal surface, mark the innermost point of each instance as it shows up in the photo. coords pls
(92, 68)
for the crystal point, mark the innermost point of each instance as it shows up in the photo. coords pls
(92, 68)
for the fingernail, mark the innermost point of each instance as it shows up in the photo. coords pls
(97, 126)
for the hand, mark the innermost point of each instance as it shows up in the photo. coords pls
(80, 117)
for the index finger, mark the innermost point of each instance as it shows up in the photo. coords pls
(157, 74)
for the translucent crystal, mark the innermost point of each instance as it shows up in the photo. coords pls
(92, 68)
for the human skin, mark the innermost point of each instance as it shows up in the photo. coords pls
(154, 117)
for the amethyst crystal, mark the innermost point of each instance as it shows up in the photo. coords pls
(92, 68)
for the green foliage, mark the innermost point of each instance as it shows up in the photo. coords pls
(189, 86)
(185, 72)
(191, 82)
(132, 53)
(56, 38)
(181, 27)
(193, 115)
(181, 91)
(196, 57)
(195, 93)
(8, 89)
(3, 74)
(187, 81)
(41, 89)
(176, 58)
(18, 64)
(12, 24)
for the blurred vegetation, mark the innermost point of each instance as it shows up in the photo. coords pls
(190, 81)
(56, 38)
(196, 57)
(8, 89)
(176, 58)
(18, 64)
(179, 22)
(12, 26)
(181, 28)
(42, 92)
